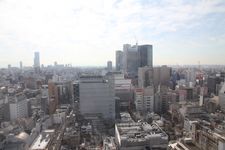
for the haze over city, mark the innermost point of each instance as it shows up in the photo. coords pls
(87, 33)
(112, 75)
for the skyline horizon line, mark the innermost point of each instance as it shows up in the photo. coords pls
(17, 64)
(105, 66)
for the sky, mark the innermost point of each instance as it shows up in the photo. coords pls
(88, 32)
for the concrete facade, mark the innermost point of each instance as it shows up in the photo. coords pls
(97, 96)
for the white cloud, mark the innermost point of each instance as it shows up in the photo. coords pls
(88, 32)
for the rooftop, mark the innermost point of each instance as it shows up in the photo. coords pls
(138, 132)
(23, 136)
(92, 79)
(183, 146)
(125, 117)
(42, 140)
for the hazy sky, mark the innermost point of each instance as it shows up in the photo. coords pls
(88, 32)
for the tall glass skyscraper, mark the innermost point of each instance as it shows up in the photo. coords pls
(145, 55)
(119, 60)
(136, 56)
(130, 59)
(36, 59)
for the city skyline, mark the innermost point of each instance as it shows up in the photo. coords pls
(112, 74)
(180, 32)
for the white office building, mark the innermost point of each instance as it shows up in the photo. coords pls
(97, 96)
(144, 99)
(18, 107)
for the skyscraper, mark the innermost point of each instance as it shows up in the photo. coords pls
(97, 97)
(136, 56)
(130, 64)
(145, 55)
(55, 63)
(123, 90)
(36, 60)
(21, 65)
(161, 75)
(119, 60)
(109, 65)
(60, 92)
(9, 66)
(145, 77)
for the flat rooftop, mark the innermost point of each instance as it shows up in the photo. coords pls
(137, 132)
(125, 117)
(42, 141)
(184, 146)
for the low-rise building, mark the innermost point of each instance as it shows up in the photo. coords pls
(109, 143)
(137, 136)
(42, 142)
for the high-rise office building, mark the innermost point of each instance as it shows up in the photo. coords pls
(21, 65)
(161, 75)
(36, 62)
(119, 60)
(44, 98)
(97, 97)
(18, 106)
(109, 65)
(123, 90)
(36, 59)
(145, 76)
(145, 55)
(76, 92)
(136, 56)
(212, 83)
(9, 66)
(144, 100)
(161, 100)
(60, 92)
(55, 64)
(53, 97)
(130, 64)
